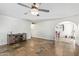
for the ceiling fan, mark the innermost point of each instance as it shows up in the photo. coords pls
(34, 8)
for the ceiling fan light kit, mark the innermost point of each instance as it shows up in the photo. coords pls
(34, 8)
(34, 12)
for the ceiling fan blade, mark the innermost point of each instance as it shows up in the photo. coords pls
(23, 5)
(44, 10)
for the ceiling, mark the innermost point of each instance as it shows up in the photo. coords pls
(57, 10)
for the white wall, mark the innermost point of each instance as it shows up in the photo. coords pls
(42, 30)
(46, 29)
(9, 24)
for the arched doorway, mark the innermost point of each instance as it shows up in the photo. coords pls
(66, 29)
(65, 35)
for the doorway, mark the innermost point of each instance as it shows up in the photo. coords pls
(65, 35)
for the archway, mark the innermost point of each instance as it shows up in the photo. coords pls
(66, 29)
(65, 34)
